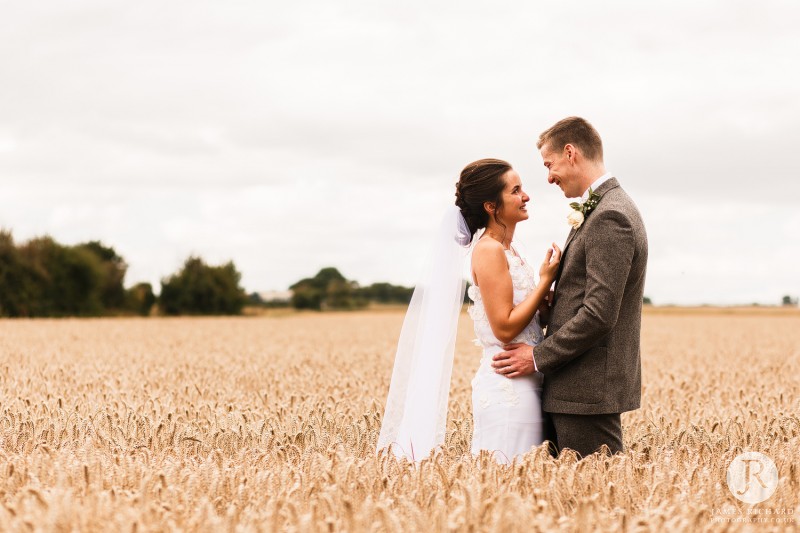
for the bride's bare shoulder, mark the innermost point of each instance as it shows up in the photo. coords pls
(487, 251)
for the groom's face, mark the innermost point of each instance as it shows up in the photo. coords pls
(561, 170)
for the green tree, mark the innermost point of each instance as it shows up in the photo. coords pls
(140, 299)
(328, 289)
(386, 293)
(112, 289)
(326, 276)
(44, 278)
(61, 280)
(311, 293)
(13, 279)
(304, 296)
(200, 289)
(343, 295)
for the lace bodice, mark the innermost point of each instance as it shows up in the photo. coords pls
(523, 279)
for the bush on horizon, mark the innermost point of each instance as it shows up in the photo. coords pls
(200, 289)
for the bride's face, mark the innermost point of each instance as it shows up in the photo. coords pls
(514, 199)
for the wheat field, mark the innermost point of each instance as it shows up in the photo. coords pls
(269, 424)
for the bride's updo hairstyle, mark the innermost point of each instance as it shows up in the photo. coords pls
(481, 181)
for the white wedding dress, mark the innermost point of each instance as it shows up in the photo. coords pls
(507, 412)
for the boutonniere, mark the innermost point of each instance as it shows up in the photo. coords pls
(582, 210)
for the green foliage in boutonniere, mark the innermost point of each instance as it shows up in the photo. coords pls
(582, 210)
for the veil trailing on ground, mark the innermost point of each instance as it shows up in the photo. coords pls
(416, 408)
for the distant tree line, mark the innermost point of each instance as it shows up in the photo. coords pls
(329, 289)
(42, 278)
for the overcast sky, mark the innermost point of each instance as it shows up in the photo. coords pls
(290, 136)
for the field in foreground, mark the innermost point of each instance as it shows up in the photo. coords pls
(269, 424)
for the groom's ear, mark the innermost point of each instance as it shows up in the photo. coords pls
(569, 151)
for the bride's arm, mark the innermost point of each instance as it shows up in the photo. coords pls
(544, 310)
(497, 290)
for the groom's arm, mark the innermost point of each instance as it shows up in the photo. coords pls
(609, 254)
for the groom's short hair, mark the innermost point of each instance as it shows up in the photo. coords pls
(576, 131)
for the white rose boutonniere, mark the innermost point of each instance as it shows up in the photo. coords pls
(575, 219)
(581, 211)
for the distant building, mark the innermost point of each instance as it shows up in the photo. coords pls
(276, 296)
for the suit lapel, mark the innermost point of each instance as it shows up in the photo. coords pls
(571, 236)
(606, 186)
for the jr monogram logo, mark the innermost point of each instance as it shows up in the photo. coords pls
(752, 477)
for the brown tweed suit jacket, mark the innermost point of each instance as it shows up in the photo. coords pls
(590, 357)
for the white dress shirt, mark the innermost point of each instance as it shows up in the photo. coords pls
(598, 182)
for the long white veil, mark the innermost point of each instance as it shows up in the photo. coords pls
(416, 408)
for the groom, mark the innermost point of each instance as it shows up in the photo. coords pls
(590, 357)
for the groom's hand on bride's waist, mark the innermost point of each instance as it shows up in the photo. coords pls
(516, 361)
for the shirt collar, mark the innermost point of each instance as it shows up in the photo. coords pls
(597, 183)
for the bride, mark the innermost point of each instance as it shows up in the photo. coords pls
(508, 307)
